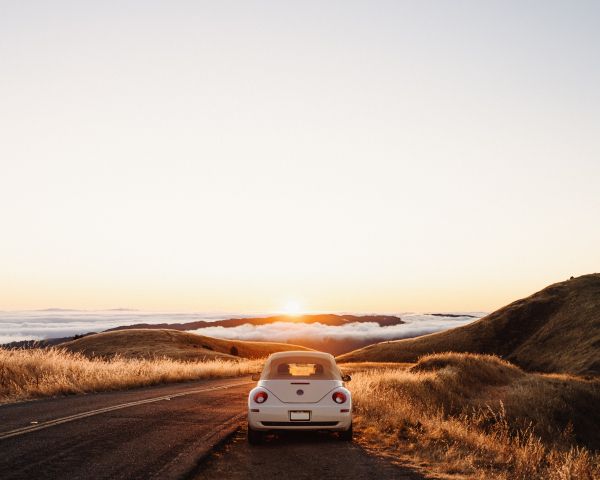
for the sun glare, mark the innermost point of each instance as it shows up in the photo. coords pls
(292, 309)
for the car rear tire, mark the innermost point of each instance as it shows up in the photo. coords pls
(346, 435)
(255, 437)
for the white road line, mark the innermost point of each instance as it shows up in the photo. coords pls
(91, 413)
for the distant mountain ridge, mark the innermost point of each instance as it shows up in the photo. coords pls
(554, 330)
(330, 319)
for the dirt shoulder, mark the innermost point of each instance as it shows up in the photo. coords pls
(304, 455)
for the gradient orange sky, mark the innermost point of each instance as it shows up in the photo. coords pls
(238, 156)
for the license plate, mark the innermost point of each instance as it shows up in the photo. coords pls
(300, 415)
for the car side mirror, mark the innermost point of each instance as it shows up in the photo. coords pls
(346, 378)
(256, 377)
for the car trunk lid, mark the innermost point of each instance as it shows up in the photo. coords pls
(300, 391)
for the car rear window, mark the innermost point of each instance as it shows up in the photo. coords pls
(298, 368)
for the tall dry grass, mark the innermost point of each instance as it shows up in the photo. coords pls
(475, 416)
(35, 373)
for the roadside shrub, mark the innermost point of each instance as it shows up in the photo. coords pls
(480, 416)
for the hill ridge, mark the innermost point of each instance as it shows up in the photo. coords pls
(554, 330)
(150, 343)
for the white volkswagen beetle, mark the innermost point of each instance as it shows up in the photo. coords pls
(299, 391)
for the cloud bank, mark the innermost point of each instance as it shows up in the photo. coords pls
(368, 331)
(55, 323)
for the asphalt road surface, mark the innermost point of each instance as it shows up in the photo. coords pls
(159, 432)
(299, 456)
(169, 432)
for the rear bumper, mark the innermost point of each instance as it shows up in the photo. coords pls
(277, 417)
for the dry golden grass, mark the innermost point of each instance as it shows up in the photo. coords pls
(477, 416)
(35, 373)
(174, 344)
(355, 367)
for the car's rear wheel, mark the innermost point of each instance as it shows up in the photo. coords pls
(255, 437)
(346, 435)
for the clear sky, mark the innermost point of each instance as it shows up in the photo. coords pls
(346, 156)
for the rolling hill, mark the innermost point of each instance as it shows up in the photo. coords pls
(554, 330)
(333, 345)
(147, 343)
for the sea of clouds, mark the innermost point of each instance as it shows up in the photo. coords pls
(416, 324)
(55, 323)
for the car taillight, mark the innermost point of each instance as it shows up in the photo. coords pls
(339, 397)
(260, 397)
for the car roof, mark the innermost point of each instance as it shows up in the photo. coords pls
(302, 353)
(326, 360)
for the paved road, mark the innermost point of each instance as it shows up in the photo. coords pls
(162, 433)
(157, 432)
(300, 456)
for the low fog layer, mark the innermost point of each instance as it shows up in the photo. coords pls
(57, 323)
(42, 324)
(337, 339)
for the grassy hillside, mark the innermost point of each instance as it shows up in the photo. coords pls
(554, 330)
(144, 343)
(477, 416)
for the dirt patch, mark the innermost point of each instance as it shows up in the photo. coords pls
(301, 455)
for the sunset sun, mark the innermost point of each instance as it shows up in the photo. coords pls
(292, 308)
